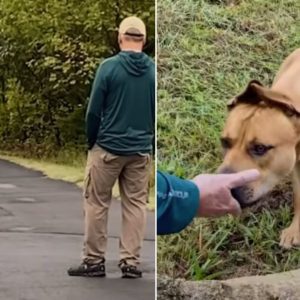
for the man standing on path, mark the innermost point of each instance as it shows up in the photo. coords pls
(120, 130)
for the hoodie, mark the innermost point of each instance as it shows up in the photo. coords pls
(121, 111)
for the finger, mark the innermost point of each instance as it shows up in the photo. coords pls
(242, 178)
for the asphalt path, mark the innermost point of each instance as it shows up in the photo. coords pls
(41, 226)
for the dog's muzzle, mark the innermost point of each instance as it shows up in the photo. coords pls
(241, 194)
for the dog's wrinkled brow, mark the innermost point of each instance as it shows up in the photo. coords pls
(226, 142)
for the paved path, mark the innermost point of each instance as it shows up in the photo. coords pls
(41, 225)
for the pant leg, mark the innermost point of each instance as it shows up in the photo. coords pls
(103, 168)
(133, 183)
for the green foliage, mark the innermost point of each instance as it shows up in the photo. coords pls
(208, 50)
(49, 51)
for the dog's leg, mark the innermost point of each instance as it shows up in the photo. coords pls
(291, 235)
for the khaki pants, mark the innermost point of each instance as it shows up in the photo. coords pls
(102, 171)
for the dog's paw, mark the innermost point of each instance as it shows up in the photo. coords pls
(290, 237)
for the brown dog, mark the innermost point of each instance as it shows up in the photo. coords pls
(262, 131)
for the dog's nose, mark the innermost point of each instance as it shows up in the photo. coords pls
(226, 170)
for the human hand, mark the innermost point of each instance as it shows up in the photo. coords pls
(215, 192)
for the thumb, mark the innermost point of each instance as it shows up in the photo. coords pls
(236, 208)
(242, 178)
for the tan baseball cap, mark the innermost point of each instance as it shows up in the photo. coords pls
(133, 26)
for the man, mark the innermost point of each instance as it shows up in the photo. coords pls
(179, 201)
(120, 131)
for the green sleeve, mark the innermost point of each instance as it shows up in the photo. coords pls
(177, 203)
(94, 110)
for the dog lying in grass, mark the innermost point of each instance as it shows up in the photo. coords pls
(262, 131)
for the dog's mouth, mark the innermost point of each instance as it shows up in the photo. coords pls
(248, 204)
(242, 195)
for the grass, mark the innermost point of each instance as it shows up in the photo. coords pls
(64, 167)
(207, 53)
(228, 247)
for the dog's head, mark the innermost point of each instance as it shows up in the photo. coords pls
(260, 133)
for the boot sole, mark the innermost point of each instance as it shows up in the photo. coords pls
(92, 274)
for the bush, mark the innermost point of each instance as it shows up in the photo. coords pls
(49, 51)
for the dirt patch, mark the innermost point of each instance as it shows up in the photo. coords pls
(281, 195)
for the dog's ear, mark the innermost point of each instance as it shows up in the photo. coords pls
(256, 93)
(249, 95)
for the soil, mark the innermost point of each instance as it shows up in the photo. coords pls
(282, 194)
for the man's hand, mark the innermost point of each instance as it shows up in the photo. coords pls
(215, 192)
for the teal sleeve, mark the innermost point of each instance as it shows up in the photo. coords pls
(94, 110)
(178, 201)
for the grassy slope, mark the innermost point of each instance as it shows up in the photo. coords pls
(208, 51)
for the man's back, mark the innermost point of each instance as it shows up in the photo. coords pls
(125, 90)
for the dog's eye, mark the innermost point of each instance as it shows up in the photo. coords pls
(226, 143)
(260, 149)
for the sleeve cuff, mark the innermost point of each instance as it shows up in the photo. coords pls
(178, 203)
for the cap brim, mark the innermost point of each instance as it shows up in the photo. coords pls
(134, 34)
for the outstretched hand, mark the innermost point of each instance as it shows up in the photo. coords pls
(215, 192)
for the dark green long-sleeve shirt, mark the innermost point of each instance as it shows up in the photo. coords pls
(121, 111)
(178, 202)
